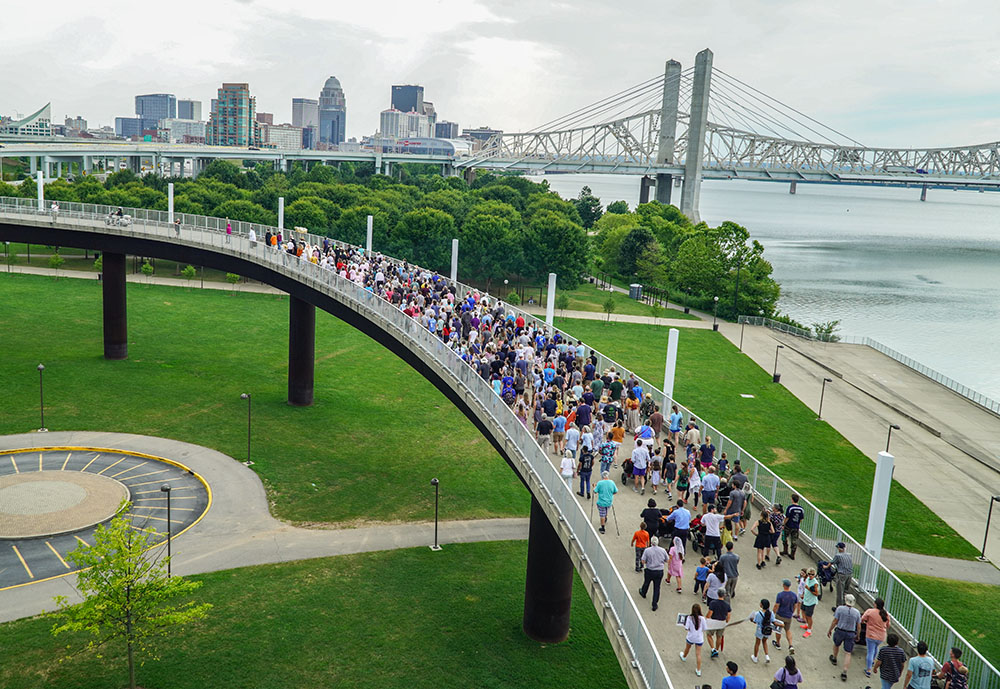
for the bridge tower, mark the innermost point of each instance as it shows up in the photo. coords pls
(697, 126)
(668, 127)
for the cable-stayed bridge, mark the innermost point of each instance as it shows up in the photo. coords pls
(702, 123)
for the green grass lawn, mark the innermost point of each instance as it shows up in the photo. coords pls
(776, 428)
(969, 608)
(588, 297)
(405, 618)
(366, 450)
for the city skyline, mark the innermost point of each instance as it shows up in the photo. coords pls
(480, 62)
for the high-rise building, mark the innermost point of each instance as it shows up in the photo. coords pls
(233, 120)
(188, 109)
(131, 127)
(332, 113)
(285, 137)
(177, 130)
(400, 125)
(407, 98)
(446, 130)
(75, 123)
(430, 112)
(265, 117)
(156, 106)
(39, 123)
(305, 114)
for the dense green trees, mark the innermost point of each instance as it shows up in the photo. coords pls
(508, 226)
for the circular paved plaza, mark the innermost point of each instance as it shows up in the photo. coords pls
(52, 500)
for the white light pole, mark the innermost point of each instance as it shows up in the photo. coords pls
(281, 215)
(454, 260)
(368, 236)
(170, 200)
(670, 371)
(550, 302)
(41, 189)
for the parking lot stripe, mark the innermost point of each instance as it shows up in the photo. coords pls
(147, 492)
(157, 507)
(150, 473)
(90, 462)
(113, 465)
(82, 541)
(16, 470)
(125, 471)
(146, 483)
(25, 564)
(39, 461)
(56, 553)
(68, 455)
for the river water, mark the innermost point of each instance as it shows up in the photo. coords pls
(922, 278)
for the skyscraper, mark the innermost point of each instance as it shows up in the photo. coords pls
(233, 120)
(407, 98)
(156, 106)
(446, 130)
(332, 113)
(188, 109)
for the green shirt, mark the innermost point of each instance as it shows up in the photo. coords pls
(616, 388)
(597, 387)
(809, 598)
(605, 491)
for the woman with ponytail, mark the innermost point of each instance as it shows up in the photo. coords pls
(874, 625)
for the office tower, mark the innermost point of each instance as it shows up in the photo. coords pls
(156, 106)
(446, 130)
(408, 98)
(188, 109)
(233, 120)
(332, 113)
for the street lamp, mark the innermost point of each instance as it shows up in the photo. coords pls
(819, 414)
(434, 482)
(41, 399)
(982, 556)
(715, 314)
(165, 488)
(246, 396)
(892, 427)
(776, 377)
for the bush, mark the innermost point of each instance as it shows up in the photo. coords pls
(514, 299)
(99, 264)
(56, 262)
(147, 270)
(827, 332)
(188, 273)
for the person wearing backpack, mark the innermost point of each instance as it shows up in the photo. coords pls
(765, 627)
(584, 470)
(787, 677)
(950, 671)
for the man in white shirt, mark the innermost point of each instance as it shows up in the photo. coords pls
(640, 460)
(713, 536)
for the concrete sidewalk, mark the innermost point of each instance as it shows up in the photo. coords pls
(621, 318)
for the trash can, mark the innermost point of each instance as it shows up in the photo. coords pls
(635, 291)
(776, 378)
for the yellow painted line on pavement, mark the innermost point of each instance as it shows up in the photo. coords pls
(146, 483)
(68, 455)
(56, 553)
(16, 470)
(82, 541)
(161, 519)
(139, 528)
(149, 473)
(157, 507)
(125, 471)
(90, 462)
(172, 490)
(39, 461)
(25, 564)
(112, 465)
(175, 497)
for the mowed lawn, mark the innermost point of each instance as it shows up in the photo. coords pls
(588, 297)
(775, 427)
(365, 452)
(406, 618)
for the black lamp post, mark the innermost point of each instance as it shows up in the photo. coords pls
(989, 516)
(819, 414)
(892, 427)
(41, 398)
(246, 396)
(715, 314)
(165, 488)
(434, 482)
(776, 377)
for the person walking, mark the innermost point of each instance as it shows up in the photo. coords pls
(640, 541)
(920, 669)
(784, 611)
(734, 508)
(640, 460)
(177, 226)
(890, 662)
(875, 621)
(653, 559)
(229, 231)
(607, 451)
(567, 469)
(681, 519)
(605, 491)
(695, 626)
(675, 565)
(731, 566)
(733, 680)
(584, 469)
(252, 237)
(719, 614)
(951, 671)
(789, 676)
(794, 515)
(713, 536)
(709, 489)
(543, 433)
(844, 630)
(845, 572)
(764, 619)
(762, 531)
(715, 584)
(809, 600)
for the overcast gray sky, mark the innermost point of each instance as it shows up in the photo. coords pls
(916, 73)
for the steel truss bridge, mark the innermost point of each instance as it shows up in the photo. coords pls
(702, 123)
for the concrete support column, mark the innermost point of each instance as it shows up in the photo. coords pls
(454, 260)
(880, 503)
(170, 199)
(923, 193)
(87, 165)
(644, 184)
(548, 582)
(792, 187)
(33, 164)
(115, 320)
(670, 372)
(301, 351)
(550, 301)
(701, 87)
(59, 169)
(668, 128)
(281, 214)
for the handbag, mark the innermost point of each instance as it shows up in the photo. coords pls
(779, 683)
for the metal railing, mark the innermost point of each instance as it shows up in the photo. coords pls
(204, 232)
(913, 617)
(965, 391)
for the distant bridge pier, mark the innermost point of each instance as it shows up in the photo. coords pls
(470, 175)
(301, 351)
(791, 188)
(33, 164)
(923, 193)
(664, 185)
(115, 312)
(548, 581)
(668, 127)
(697, 126)
(644, 184)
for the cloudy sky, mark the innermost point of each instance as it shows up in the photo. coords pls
(916, 73)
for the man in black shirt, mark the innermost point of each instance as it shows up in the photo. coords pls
(718, 612)
(793, 522)
(651, 516)
(543, 432)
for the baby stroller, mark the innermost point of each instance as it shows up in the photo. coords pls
(697, 534)
(627, 467)
(825, 572)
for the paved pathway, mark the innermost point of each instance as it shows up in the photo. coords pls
(621, 318)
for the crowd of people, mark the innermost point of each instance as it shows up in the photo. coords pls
(593, 419)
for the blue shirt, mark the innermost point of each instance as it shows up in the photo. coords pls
(710, 483)
(701, 574)
(605, 491)
(681, 518)
(560, 424)
(734, 682)
(675, 425)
